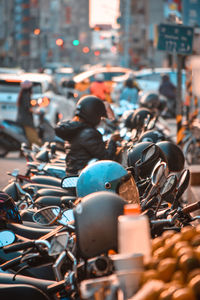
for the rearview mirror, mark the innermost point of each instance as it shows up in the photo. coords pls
(47, 215)
(58, 243)
(169, 185)
(7, 237)
(183, 183)
(69, 182)
(159, 173)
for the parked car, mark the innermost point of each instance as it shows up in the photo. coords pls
(44, 94)
(84, 79)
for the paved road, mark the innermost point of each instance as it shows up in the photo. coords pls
(8, 164)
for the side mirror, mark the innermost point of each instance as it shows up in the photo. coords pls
(159, 173)
(47, 215)
(183, 182)
(41, 166)
(182, 185)
(59, 243)
(69, 182)
(51, 214)
(7, 237)
(169, 185)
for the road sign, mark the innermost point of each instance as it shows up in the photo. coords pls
(175, 39)
(191, 12)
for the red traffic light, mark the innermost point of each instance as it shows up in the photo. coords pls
(97, 53)
(36, 31)
(86, 49)
(59, 42)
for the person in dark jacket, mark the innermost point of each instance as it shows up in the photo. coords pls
(168, 90)
(25, 113)
(84, 141)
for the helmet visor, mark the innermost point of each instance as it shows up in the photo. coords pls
(128, 190)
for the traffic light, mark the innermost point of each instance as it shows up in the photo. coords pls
(59, 42)
(86, 49)
(36, 31)
(96, 52)
(75, 42)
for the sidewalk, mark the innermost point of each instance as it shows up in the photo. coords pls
(193, 191)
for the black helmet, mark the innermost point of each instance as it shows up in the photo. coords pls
(150, 100)
(127, 116)
(91, 109)
(153, 136)
(135, 153)
(137, 118)
(8, 210)
(96, 219)
(174, 154)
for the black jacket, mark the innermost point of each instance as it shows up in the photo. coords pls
(84, 143)
(24, 115)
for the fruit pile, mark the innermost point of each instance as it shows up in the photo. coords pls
(174, 270)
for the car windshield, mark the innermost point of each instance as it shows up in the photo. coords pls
(14, 87)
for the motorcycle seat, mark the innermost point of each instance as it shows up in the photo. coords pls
(27, 231)
(48, 180)
(55, 192)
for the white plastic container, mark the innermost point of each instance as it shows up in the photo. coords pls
(134, 232)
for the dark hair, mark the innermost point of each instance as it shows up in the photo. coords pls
(129, 83)
(22, 93)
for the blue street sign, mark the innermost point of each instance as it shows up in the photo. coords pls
(175, 39)
(191, 12)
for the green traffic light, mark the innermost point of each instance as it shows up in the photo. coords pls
(75, 42)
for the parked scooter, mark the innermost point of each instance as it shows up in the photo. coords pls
(12, 134)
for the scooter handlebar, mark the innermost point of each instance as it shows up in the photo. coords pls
(192, 207)
(56, 287)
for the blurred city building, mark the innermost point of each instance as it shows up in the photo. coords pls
(52, 33)
(34, 32)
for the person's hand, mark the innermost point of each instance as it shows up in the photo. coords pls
(116, 136)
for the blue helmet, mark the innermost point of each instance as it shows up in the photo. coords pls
(107, 175)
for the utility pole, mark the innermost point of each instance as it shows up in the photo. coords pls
(127, 33)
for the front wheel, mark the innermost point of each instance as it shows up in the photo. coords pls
(3, 151)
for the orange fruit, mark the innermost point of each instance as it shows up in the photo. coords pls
(166, 268)
(185, 293)
(194, 284)
(188, 232)
(195, 241)
(188, 263)
(157, 243)
(149, 275)
(178, 246)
